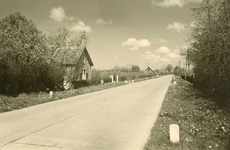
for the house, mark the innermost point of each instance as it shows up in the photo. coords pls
(77, 65)
(149, 71)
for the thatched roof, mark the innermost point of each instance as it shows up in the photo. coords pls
(70, 57)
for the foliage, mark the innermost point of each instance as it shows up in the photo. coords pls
(23, 59)
(135, 68)
(32, 62)
(209, 49)
(157, 71)
(118, 68)
(95, 74)
(169, 68)
(62, 51)
(80, 83)
(177, 70)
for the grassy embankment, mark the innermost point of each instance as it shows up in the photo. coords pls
(203, 123)
(26, 100)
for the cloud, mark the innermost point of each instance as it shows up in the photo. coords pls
(80, 26)
(160, 41)
(162, 50)
(173, 55)
(168, 3)
(164, 60)
(177, 26)
(136, 44)
(150, 55)
(103, 22)
(173, 3)
(162, 55)
(57, 14)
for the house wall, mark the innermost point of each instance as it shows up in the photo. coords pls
(148, 71)
(86, 70)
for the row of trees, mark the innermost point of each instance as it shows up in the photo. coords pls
(134, 68)
(209, 49)
(28, 58)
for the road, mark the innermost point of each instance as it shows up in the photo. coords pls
(120, 118)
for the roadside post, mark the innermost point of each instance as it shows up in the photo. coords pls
(111, 76)
(51, 94)
(102, 81)
(174, 133)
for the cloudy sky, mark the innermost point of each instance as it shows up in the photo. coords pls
(121, 32)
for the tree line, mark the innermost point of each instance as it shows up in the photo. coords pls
(209, 47)
(28, 58)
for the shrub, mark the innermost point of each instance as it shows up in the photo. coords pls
(79, 83)
(145, 76)
(123, 78)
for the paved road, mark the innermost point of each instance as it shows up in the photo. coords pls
(115, 119)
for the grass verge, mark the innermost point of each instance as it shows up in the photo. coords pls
(203, 124)
(26, 100)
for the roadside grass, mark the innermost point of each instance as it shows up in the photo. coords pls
(203, 124)
(25, 100)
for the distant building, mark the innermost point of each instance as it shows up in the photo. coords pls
(149, 71)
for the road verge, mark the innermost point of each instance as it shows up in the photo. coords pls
(203, 124)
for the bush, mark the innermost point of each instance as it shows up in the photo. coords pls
(123, 78)
(94, 82)
(146, 76)
(80, 83)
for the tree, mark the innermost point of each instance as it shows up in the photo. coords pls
(169, 68)
(63, 48)
(135, 68)
(118, 68)
(157, 71)
(177, 70)
(22, 55)
(209, 50)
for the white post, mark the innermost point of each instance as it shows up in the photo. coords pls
(102, 81)
(51, 94)
(111, 76)
(174, 133)
(117, 78)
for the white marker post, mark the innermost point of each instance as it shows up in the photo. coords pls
(111, 76)
(174, 133)
(51, 94)
(117, 79)
(102, 81)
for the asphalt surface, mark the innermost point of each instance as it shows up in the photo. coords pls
(120, 118)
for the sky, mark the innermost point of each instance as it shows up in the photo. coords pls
(121, 32)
